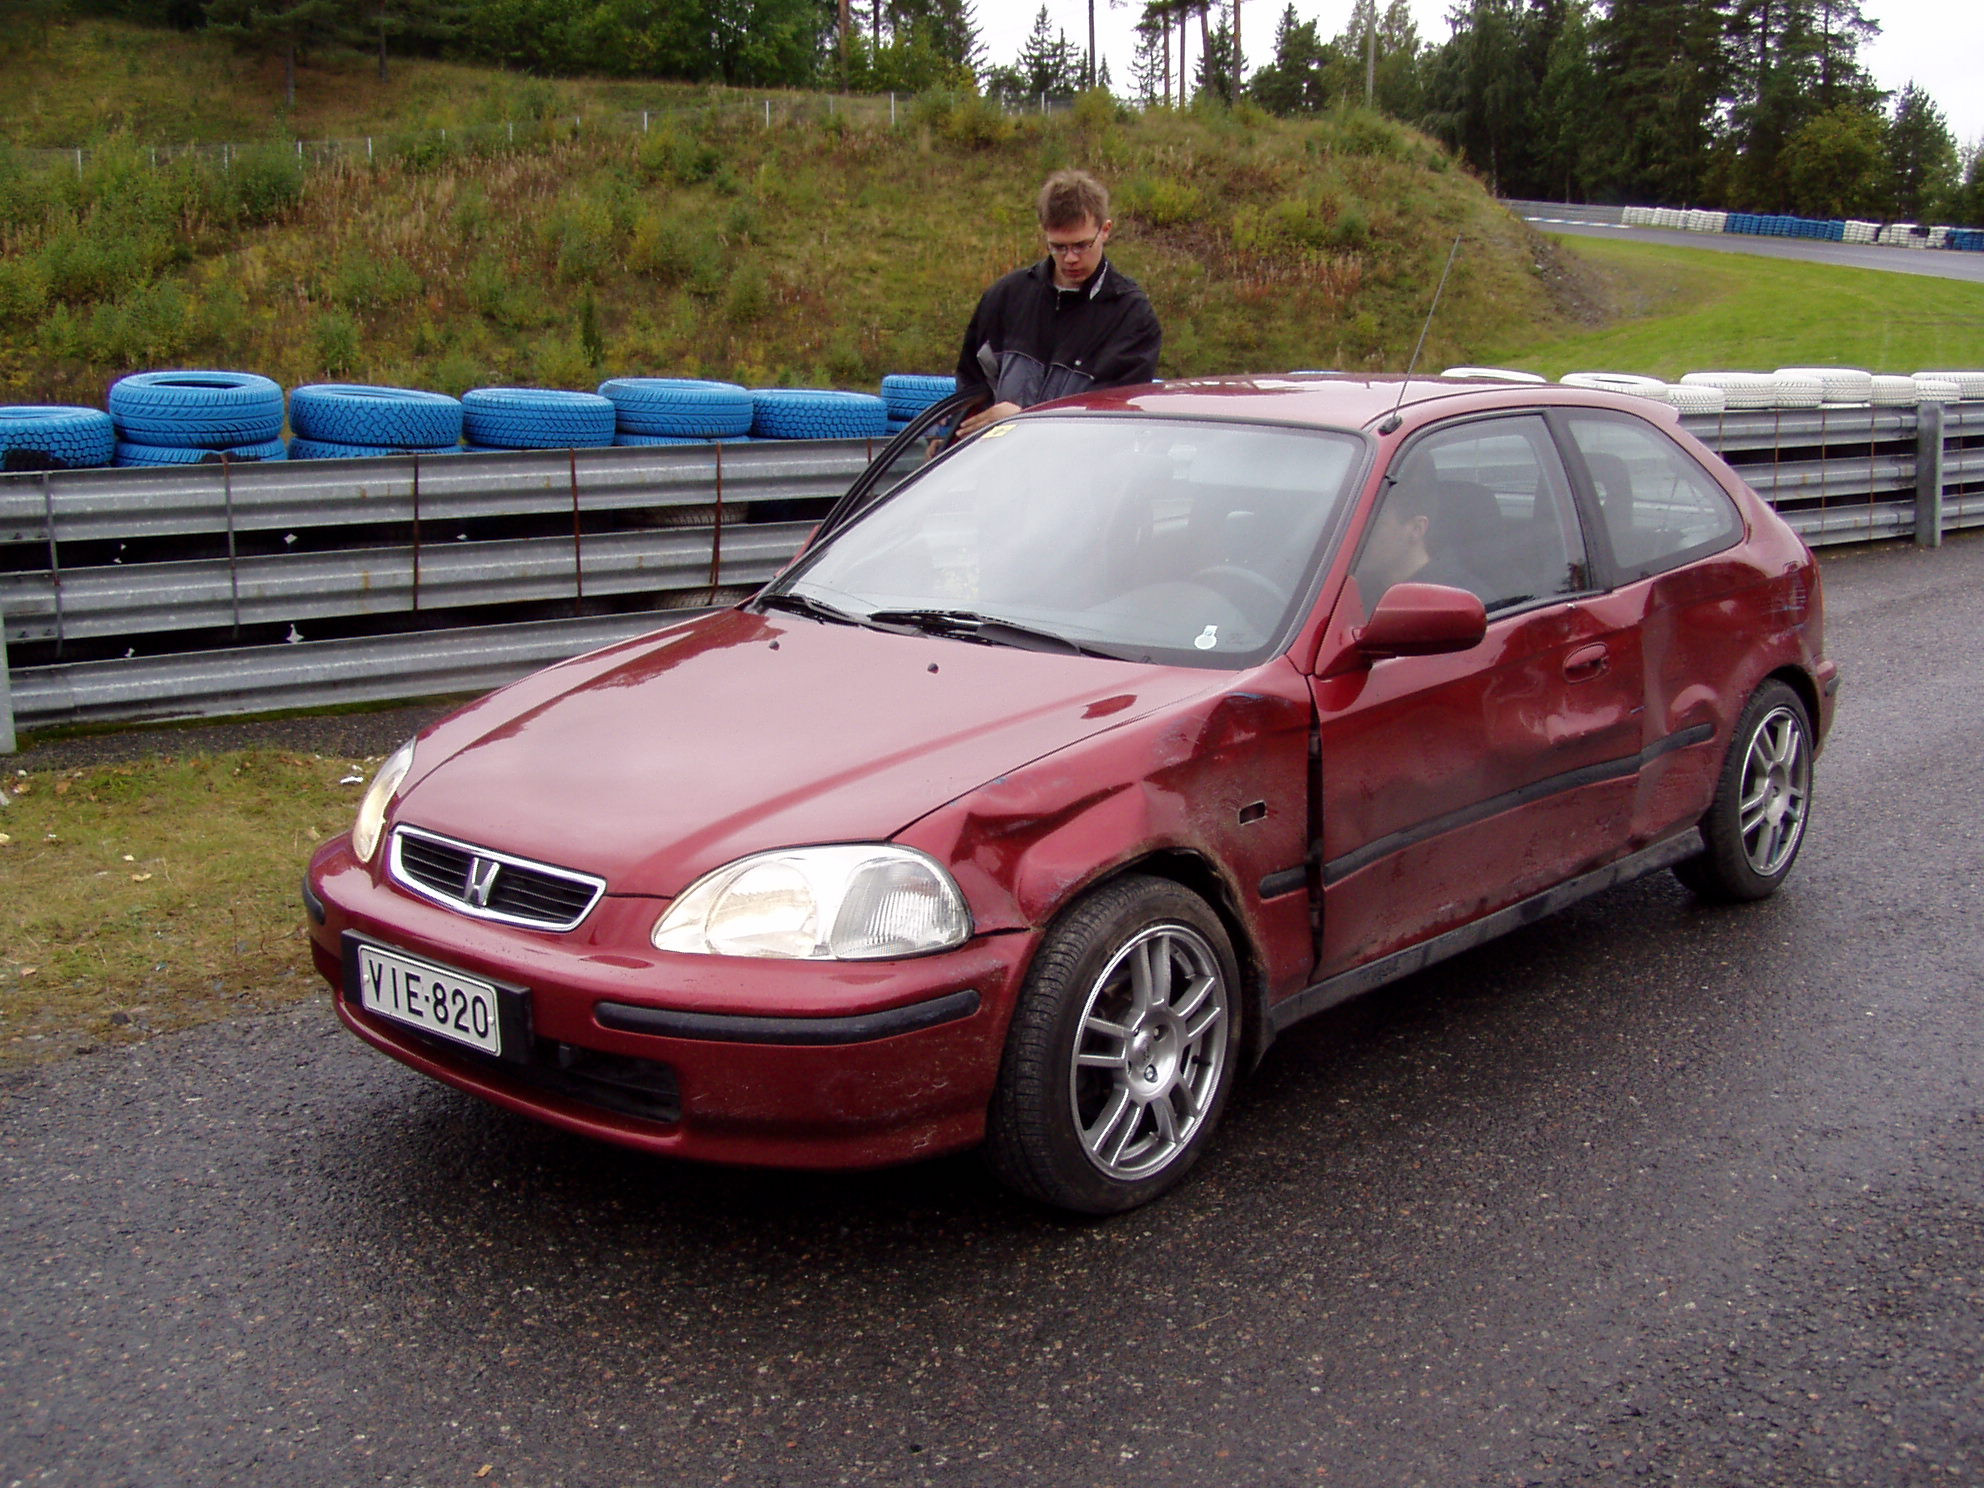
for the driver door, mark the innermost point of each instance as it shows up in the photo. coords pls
(1455, 785)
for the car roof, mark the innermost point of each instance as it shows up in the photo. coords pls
(1343, 400)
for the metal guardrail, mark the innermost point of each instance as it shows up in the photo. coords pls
(211, 590)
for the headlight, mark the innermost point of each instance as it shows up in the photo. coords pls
(858, 903)
(378, 796)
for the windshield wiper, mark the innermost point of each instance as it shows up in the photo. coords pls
(969, 625)
(805, 604)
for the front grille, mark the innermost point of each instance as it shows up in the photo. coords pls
(491, 885)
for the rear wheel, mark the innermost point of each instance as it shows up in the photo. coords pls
(1122, 1050)
(1763, 802)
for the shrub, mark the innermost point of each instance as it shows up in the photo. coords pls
(334, 336)
(23, 291)
(1162, 201)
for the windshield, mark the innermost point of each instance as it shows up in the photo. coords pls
(1144, 539)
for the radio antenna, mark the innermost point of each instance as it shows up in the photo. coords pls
(1392, 420)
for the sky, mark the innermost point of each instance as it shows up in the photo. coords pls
(1938, 44)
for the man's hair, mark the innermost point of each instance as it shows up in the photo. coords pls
(1069, 196)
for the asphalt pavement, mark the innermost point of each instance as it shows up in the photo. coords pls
(1645, 1193)
(1934, 263)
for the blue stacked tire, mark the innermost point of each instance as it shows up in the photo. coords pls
(536, 418)
(374, 418)
(196, 410)
(318, 449)
(680, 407)
(817, 413)
(908, 393)
(170, 454)
(624, 438)
(48, 437)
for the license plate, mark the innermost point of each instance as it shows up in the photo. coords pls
(429, 997)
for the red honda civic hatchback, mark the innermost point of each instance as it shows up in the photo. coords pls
(1050, 782)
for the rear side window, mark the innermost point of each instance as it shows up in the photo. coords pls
(1660, 508)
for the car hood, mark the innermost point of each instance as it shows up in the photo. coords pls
(653, 762)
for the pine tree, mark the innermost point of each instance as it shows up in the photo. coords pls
(1921, 158)
(282, 28)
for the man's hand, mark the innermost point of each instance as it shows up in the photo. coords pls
(986, 416)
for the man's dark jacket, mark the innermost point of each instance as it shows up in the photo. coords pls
(1029, 341)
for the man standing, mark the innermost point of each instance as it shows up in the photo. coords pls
(1071, 322)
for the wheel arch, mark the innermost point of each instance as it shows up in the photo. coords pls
(1195, 872)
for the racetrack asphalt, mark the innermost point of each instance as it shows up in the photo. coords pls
(1644, 1193)
(1934, 263)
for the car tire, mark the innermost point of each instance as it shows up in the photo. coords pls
(1109, 1094)
(170, 454)
(536, 418)
(67, 438)
(1763, 802)
(681, 407)
(361, 416)
(196, 410)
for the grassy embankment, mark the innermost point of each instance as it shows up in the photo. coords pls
(814, 252)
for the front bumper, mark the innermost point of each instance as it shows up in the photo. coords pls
(779, 1063)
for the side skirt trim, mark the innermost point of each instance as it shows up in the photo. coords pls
(1372, 975)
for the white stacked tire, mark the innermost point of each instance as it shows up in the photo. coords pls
(349, 421)
(1618, 382)
(677, 410)
(1936, 390)
(195, 417)
(1493, 374)
(1836, 384)
(51, 437)
(1893, 392)
(1969, 385)
(1696, 399)
(1797, 391)
(1739, 389)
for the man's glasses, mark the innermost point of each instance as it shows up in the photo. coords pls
(1072, 250)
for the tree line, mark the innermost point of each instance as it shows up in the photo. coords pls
(1742, 105)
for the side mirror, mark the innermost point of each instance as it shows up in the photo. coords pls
(1422, 620)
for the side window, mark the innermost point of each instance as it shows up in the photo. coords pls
(1660, 507)
(1481, 506)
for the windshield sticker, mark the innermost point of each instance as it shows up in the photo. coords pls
(998, 431)
(1208, 638)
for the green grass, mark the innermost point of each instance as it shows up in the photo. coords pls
(1698, 310)
(143, 897)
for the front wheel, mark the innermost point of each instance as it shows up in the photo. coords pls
(1763, 802)
(1122, 1050)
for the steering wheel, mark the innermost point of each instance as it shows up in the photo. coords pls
(1255, 596)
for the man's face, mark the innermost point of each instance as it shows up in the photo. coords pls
(1393, 552)
(1076, 249)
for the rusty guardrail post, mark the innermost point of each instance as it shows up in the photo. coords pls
(1929, 425)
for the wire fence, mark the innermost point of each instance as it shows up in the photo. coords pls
(857, 110)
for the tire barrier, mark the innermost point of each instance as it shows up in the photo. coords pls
(1618, 382)
(363, 417)
(196, 410)
(171, 454)
(1493, 374)
(906, 394)
(817, 413)
(536, 418)
(680, 407)
(52, 437)
(322, 449)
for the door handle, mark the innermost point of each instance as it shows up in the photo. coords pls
(1587, 662)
